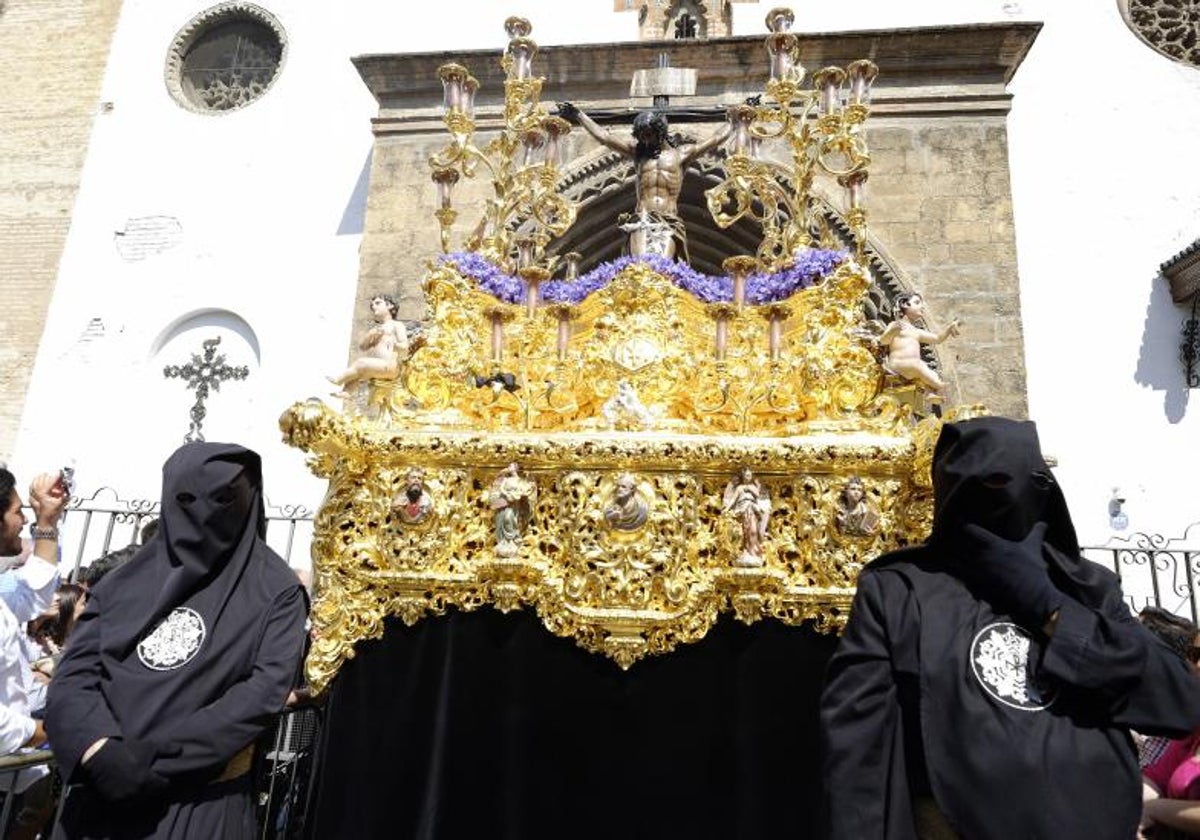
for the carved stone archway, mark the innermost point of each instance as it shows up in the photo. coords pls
(602, 186)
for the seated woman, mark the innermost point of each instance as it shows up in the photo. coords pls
(1171, 783)
(1172, 792)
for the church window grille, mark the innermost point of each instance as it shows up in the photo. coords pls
(1172, 27)
(685, 26)
(225, 58)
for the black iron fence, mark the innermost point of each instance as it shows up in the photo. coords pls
(1155, 570)
(33, 792)
(104, 522)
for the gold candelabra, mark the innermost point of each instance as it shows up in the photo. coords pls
(526, 211)
(822, 125)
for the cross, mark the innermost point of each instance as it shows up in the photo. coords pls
(663, 82)
(202, 375)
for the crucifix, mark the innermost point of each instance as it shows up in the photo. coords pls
(659, 160)
(663, 82)
(204, 374)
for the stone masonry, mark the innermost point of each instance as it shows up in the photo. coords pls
(52, 60)
(939, 203)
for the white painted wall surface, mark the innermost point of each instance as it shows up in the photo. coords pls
(269, 200)
(1103, 134)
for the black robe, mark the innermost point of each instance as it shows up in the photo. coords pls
(904, 715)
(201, 694)
(936, 695)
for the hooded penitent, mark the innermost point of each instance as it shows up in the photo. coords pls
(992, 488)
(991, 676)
(186, 651)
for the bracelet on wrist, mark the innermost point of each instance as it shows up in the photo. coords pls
(40, 533)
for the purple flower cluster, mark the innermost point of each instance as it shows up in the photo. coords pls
(808, 268)
(490, 277)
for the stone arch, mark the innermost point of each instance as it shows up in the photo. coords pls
(601, 184)
(210, 322)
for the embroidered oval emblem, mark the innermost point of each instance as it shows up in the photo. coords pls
(174, 640)
(1000, 662)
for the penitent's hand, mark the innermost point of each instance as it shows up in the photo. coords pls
(1011, 574)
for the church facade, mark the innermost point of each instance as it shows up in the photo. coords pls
(1024, 178)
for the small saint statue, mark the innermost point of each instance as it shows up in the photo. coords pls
(626, 510)
(747, 501)
(511, 500)
(855, 516)
(385, 348)
(902, 339)
(414, 503)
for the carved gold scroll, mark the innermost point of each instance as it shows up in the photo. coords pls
(409, 525)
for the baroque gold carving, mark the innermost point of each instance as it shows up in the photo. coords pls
(629, 444)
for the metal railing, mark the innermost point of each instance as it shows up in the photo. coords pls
(103, 522)
(281, 783)
(1155, 570)
(12, 767)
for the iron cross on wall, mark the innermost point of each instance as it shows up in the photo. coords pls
(203, 374)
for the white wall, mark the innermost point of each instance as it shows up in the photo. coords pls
(263, 207)
(1103, 136)
(269, 202)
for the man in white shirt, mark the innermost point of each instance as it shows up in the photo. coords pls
(25, 591)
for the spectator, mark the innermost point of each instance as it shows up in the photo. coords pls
(24, 592)
(49, 631)
(149, 529)
(1175, 631)
(987, 680)
(1180, 635)
(1171, 806)
(97, 569)
(180, 660)
(1171, 769)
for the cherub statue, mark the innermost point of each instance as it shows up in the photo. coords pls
(413, 504)
(748, 501)
(385, 348)
(902, 339)
(511, 499)
(856, 516)
(626, 510)
(626, 406)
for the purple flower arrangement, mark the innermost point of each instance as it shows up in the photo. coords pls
(809, 267)
(490, 277)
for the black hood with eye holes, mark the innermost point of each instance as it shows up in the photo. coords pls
(211, 523)
(990, 472)
(175, 637)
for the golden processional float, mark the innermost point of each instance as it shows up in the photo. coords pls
(631, 451)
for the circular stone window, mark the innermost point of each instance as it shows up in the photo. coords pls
(225, 58)
(1172, 27)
